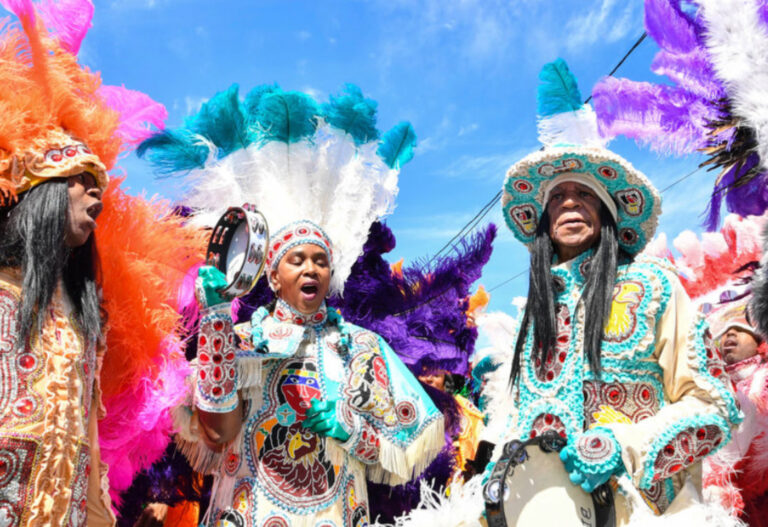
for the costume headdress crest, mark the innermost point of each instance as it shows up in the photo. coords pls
(574, 151)
(716, 101)
(57, 118)
(293, 158)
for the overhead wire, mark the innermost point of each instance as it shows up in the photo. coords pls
(472, 223)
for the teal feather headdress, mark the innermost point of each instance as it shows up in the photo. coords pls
(563, 117)
(291, 156)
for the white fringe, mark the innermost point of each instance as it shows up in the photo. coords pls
(397, 466)
(737, 41)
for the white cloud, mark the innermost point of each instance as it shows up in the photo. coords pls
(606, 21)
(313, 92)
(192, 104)
(490, 167)
(303, 35)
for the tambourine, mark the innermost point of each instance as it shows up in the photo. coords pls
(529, 486)
(238, 248)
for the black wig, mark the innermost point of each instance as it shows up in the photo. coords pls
(596, 297)
(32, 239)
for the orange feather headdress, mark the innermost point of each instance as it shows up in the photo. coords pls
(57, 118)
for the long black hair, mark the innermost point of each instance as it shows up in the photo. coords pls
(32, 239)
(596, 297)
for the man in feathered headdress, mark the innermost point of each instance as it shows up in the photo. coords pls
(296, 419)
(61, 131)
(610, 355)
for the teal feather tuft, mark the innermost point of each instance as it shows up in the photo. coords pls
(172, 151)
(251, 105)
(352, 112)
(558, 90)
(286, 116)
(397, 145)
(221, 121)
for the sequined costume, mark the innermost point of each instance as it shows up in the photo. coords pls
(50, 401)
(276, 472)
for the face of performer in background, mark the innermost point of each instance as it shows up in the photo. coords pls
(738, 345)
(574, 219)
(302, 277)
(434, 379)
(84, 207)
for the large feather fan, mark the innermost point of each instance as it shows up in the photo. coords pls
(291, 157)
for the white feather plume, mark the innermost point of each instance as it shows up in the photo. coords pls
(737, 41)
(326, 179)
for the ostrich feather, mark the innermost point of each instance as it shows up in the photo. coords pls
(353, 113)
(287, 117)
(397, 145)
(68, 21)
(137, 112)
(737, 42)
(558, 90)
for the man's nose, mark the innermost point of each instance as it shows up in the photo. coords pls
(95, 192)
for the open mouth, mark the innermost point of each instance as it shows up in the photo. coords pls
(94, 210)
(309, 289)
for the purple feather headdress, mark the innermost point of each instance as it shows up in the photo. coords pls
(705, 107)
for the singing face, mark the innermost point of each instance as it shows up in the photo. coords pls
(84, 207)
(737, 345)
(574, 219)
(302, 277)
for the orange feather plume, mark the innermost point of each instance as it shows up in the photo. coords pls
(44, 88)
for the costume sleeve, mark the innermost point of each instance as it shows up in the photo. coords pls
(701, 408)
(395, 428)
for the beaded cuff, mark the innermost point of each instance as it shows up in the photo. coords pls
(217, 378)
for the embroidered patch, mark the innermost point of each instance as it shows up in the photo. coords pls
(355, 512)
(291, 462)
(555, 360)
(406, 412)
(524, 217)
(545, 423)
(17, 463)
(631, 200)
(637, 401)
(622, 321)
(686, 448)
(367, 447)
(368, 387)
(79, 487)
(275, 521)
(217, 373)
(658, 496)
(19, 369)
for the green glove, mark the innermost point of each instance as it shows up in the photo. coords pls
(321, 419)
(208, 284)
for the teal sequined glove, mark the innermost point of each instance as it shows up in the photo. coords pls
(322, 420)
(207, 286)
(593, 458)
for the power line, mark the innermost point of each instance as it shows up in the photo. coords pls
(471, 224)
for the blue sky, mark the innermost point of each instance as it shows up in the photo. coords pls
(464, 72)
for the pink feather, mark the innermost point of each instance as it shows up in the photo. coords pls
(20, 8)
(137, 112)
(67, 20)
